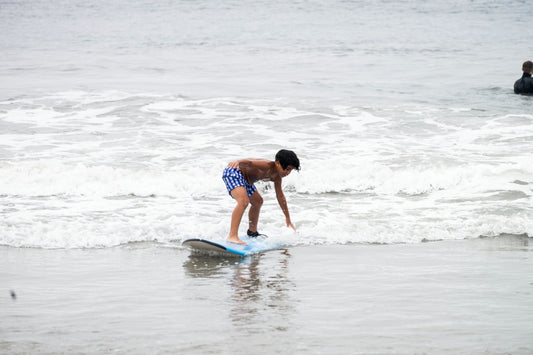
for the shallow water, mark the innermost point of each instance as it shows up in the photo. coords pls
(442, 297)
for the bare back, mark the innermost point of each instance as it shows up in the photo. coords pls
(257, 169)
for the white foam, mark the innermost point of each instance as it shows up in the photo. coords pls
(108, 168)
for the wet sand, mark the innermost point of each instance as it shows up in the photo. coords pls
(467, 296)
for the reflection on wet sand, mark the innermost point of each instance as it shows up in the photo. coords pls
(260, 288)
(261, 293)
(506, 242)
(201, 266)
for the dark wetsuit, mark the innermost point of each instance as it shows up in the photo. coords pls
(524, 85)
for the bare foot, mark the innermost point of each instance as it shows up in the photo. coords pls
(236, 240)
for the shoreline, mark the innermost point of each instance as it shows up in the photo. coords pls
(462, 296)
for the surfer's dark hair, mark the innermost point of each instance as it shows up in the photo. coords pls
(288, 157)
(527, 66)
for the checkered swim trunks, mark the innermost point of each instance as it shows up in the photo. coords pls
(233, 178)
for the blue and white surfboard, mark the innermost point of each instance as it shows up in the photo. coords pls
(255, 245)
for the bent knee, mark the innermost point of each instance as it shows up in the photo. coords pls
(243, 202)
(257, 201)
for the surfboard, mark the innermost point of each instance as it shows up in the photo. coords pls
(255, 246)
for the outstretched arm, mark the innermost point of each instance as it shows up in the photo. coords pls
(283, 203)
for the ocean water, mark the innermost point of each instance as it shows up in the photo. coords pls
(117, 119)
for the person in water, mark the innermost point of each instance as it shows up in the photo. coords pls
(524, 85)
(240, 176)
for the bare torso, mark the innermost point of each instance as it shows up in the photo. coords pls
(255, 170)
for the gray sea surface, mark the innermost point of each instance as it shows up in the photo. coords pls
(440, 52)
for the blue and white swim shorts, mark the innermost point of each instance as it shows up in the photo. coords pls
(233, 178)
